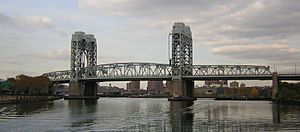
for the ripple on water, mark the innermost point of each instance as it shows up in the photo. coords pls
(130, 114)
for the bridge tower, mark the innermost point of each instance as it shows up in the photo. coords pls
(181, 62)
(83, 54)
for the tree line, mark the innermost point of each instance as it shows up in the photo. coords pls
(288, 91)
(36, 85)
(249, 92)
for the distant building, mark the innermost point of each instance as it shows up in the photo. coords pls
(216, 83)
(133, 86)
(155, 87)
(168, 85)
(205, 92)
(234, 84)
(243, 85)
(110, 90)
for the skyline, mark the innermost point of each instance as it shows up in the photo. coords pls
(36, 34)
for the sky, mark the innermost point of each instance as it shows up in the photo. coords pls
(35, 34)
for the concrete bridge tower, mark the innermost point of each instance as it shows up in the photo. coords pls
(83, 54)
(181, 62)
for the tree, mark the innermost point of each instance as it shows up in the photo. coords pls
(254, 92)
(6, 86)
(31, 85)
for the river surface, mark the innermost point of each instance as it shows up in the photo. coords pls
(149, 115)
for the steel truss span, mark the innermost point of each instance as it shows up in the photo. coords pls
(156, 71)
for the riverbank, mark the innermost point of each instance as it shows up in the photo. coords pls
(4, 99)
(289, 102)
(134, 96)
(243, 99)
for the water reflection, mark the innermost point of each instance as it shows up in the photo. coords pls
(275, 114)
(9, 111)
(221, 116)
(236, 116)
(181, 116)
(82, 113)
(134, 115)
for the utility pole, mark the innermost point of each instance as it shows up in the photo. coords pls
(295, 68)
(275, 69)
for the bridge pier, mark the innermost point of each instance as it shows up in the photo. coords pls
(76, 88)
(182, 90)
(90, 89)
(82, 90)
(275, 83)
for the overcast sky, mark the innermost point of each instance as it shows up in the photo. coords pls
(35, 34)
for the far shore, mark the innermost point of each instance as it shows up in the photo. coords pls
(6, 99)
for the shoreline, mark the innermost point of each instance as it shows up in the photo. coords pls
(10, 99)
(245, 99)
(289, 102)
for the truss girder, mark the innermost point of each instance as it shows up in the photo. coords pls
(229, 70)
(130, 70)
(123, 71)
(58, 75)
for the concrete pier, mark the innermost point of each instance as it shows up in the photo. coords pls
(275, 83)
(82, 90)
(90, 89)
(182, 90)
(76, 88)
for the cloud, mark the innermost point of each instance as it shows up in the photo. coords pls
(277, 53)
(250, 19)
(140, 7)
(34, 63)
(25, 24)
(41, 22)
(54, 55)
(30, 59)
(239, 48)
(38, 21)
(7, 21)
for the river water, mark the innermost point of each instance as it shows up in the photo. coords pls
(149, 115)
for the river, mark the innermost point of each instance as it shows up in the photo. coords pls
(149, 115)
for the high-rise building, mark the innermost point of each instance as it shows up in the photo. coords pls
(234, 84)
(133, 86)
(155, 86)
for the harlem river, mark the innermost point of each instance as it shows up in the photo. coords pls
(149, 115)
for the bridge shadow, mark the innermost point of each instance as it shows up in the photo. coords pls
(82, 113)
(182, 119)
(276, 114)
(181, 116)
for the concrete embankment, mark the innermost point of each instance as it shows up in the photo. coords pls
(25, 98)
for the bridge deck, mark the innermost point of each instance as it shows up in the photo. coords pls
(156, 71)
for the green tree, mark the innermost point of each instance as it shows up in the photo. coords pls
(32, 85)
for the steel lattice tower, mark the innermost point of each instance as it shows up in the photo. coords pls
(182, 51)
(83, 54)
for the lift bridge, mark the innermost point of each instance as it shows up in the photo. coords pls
(84, 71)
